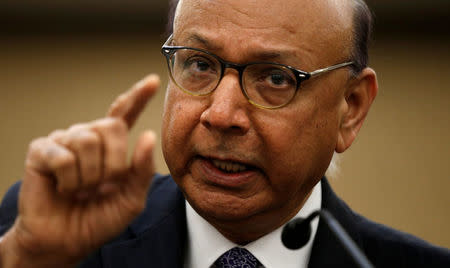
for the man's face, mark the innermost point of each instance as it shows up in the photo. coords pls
(244, 167)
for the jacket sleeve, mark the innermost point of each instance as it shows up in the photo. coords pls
(8, 208)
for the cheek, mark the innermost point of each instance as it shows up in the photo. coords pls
(320, 136)
(301, 145)
(180, 117)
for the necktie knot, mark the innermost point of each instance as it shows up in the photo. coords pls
(237, 258)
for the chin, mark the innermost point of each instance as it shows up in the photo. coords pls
(222, 207)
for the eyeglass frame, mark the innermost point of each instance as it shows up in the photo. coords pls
(300, 76)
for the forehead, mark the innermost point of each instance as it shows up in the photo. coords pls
(305, 28)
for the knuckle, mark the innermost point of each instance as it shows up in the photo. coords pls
(110, 125)
(56, 134)
(59, 160)
(36, 144)
(87, 141)
(37, 157)
(117, 126)
(76, 127)
(38, 152)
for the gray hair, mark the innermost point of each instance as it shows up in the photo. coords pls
(362, 35)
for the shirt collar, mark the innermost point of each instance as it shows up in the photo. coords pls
(205, 244)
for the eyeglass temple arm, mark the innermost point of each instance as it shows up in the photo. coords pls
(169, 39)
(331, 68)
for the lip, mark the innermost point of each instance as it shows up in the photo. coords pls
(215, 176)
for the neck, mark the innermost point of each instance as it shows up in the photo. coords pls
(248, 230)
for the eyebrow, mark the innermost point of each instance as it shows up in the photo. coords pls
(267, 55)
(260, 55)
(195, 38)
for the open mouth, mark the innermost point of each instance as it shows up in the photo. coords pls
(229, 166)
(227, 173)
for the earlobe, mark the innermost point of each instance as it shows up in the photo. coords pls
(359, 96)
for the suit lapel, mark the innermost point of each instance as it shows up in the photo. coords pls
(158, 247)
(327, 251)
(159, 233)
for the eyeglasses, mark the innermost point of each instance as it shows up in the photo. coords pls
(266, 85)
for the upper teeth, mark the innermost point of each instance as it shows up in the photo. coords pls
(229, 166)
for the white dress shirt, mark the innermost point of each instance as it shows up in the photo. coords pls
(205, 244)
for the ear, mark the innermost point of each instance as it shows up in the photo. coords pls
(359, 95)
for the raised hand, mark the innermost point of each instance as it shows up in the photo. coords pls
(79, 191)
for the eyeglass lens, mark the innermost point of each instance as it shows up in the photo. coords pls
(265, 84)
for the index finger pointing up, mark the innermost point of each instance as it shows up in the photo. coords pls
(130, 104)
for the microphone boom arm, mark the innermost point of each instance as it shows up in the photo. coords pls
(298, 231)
(349, 245)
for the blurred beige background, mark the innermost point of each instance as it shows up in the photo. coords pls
(65, 66)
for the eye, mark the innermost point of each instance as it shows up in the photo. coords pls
(203, 66)
(198, 64)
(276, 78)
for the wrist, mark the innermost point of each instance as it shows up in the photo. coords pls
(8, 253)
(13, 255)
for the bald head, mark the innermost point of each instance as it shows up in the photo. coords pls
(355, 12)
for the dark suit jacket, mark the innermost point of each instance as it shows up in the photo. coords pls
(157, 237)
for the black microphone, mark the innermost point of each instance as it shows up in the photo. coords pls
(298, 231)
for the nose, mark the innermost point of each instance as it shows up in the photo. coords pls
(228, 108)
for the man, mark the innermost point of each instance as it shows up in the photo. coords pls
(261, 96)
